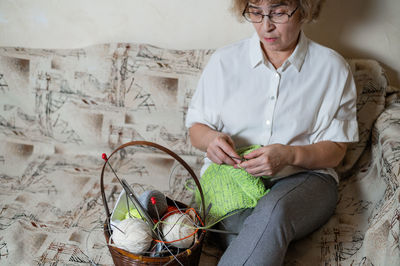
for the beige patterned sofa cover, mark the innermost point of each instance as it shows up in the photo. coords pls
(60, 109)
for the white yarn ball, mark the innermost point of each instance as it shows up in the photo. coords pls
(135, 236)
(177, 226)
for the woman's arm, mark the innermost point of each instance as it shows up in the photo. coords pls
(219, 146)
(270, 159)
(325, 154)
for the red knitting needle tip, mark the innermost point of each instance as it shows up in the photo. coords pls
(153, 200)
(104, 156)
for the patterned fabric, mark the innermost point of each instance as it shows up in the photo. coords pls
(227, 189)
(60, 109)
(99, 97)
(365, 229)
(371, 86)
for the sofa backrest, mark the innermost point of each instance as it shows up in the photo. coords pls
(97, 98)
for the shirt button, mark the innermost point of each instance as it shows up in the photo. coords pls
(277, 75)
(272, 98)
(268, 122)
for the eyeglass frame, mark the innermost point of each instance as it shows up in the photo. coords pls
(268, 15)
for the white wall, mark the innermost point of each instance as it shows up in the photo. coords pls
(362, 29)
(355, 28)
(77, 23)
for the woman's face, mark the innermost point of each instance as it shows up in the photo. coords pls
(277, 37)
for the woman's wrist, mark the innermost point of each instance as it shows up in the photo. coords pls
(291, 155)
(203, 136)
(209, 137)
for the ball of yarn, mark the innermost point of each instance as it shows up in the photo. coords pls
(134, 235)
(160, 203)
(178, 226)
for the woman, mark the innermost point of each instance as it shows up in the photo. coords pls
(294, 97)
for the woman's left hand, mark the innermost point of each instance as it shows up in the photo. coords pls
(267, 160)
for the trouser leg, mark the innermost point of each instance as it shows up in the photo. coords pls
(294, 207)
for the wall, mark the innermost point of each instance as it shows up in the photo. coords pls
(355, 28)
(362, 29)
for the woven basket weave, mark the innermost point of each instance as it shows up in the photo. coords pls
(190, 256)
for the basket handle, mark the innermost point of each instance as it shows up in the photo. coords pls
(162, 148)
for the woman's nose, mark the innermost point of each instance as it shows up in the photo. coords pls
(267, 24)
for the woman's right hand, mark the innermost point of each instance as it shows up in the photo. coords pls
(221, 150)
(219, 146)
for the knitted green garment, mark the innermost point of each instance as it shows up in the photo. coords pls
(229, 189)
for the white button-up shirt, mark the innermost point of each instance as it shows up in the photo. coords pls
(310, 98)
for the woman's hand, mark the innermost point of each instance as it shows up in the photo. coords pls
(221, 150)
(268, 160)
(219, 146)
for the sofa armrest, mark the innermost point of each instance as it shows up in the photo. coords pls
(386, 145)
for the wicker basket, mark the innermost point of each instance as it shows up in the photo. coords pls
(190, 256)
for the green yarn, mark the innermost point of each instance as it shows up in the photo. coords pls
(133, 213)
(229, 189)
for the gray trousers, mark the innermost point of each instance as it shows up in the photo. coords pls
(295, 207)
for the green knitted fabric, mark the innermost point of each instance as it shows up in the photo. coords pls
(229, 189)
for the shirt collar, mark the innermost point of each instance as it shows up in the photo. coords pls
(296, 58)
(299, 54)
(256, 53)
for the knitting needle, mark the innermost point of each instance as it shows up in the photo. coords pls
(236, 158)
(104, 156)
(133, 198)
(221, 231)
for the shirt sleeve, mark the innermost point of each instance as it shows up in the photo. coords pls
(206, 102)
(342, 126)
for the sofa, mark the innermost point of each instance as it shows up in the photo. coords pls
(61, 109)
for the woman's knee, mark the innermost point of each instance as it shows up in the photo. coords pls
(302, 213)
(303, 209)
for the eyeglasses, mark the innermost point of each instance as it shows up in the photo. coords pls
(274, 17)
